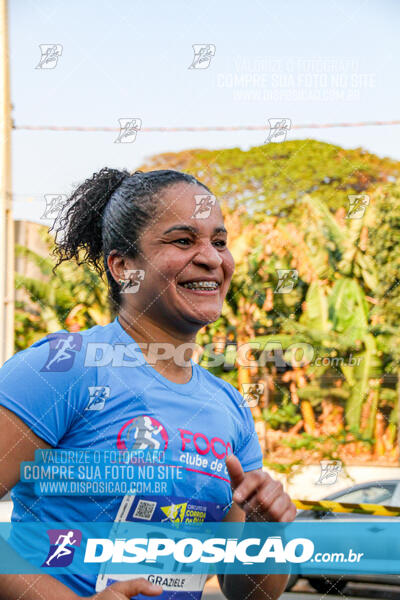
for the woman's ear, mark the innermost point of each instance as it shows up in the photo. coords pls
(120, 266)
(117, 265)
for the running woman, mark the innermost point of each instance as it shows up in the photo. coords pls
(132, 384)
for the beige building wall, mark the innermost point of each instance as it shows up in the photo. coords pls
(27, 233)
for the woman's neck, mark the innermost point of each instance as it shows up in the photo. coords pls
(163, 349)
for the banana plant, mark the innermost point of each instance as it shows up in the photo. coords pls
(343, 242)
(347, 330)
(335, 321)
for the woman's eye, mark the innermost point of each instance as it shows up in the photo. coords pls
(187, 241)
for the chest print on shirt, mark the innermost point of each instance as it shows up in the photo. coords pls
(141, 433)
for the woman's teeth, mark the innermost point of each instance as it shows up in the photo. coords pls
(201, 285)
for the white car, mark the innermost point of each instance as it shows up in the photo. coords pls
(385, 492)
(6, 507)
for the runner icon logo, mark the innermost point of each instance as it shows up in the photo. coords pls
(174, 512)
(62, 351)
(61, 552)
(98, 396)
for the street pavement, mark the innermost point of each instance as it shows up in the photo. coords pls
(303, 591)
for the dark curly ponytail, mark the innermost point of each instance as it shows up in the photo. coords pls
(107, 212)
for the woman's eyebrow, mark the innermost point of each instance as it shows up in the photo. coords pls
(193, 229)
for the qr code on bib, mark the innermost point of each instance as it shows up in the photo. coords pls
(144, 510)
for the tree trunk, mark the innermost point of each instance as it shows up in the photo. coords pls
(308, 416)
(398, 412)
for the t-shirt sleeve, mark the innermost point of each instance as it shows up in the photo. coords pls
(249, 450)
(37, 384)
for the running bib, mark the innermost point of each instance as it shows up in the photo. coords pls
(179, 585)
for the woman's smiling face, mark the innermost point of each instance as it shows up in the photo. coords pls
(187, 265)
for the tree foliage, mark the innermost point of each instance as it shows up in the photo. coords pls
(286, 207)
(271, 179)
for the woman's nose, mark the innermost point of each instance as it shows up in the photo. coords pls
(208, 255)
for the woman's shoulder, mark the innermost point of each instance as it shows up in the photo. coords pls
(58, 351)
(46, 384)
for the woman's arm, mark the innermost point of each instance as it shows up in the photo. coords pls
(18, 443)
(34, 587)
(251, 587)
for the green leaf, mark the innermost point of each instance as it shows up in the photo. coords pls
(370, 366)
(316, 314)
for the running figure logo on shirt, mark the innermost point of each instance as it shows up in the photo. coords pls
(141, 433)
(62, 351)
(60, 551)
(98, 396)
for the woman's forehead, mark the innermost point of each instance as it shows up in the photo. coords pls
(190, 205)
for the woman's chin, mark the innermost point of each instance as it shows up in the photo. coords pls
(205, 317)
(209, 317)
(201, 315)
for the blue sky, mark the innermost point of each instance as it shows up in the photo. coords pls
(309, 61)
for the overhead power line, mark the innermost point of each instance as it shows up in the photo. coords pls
(205, 128)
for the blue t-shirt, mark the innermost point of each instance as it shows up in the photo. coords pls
(94, 390)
